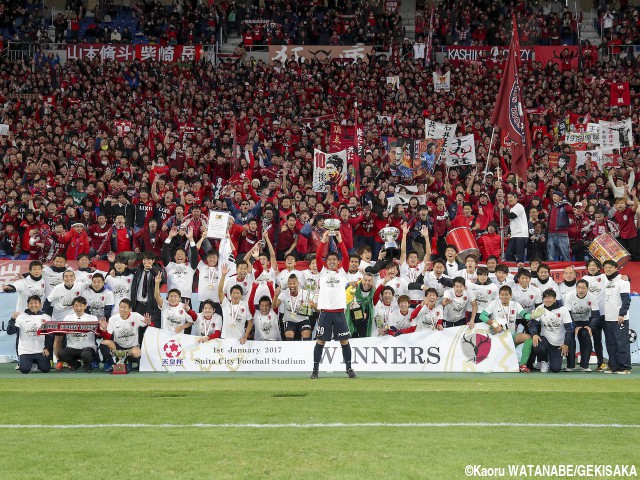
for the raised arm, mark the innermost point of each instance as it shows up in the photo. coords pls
(156, 290)
(193, 249)
(344, 252)
(224, 270)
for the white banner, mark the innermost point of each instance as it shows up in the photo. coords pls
(394, 80)
(616, 134)
(441, 83)
(461, 151)
(589, 158)
(587, 137)
(4, 129)
(327, 166)
(439, 130)
(452, 350)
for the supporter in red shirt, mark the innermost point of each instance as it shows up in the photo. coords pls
(625, 218)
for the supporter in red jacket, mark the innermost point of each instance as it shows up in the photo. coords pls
(490, 243)
(76, 240)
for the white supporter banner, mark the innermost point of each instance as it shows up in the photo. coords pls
(441, 83)
(461, 151)
(4, 129)
(434, 129)
(327, 166)
(455, 349)
(616, 134)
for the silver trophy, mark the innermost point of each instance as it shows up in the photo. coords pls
(333, 225)
(308, 292)
(389, 236)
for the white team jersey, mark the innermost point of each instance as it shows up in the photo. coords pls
(52, 277)
(459, 305)
(426, 318)
(96, 301)
(354, 277)
(290, 306)
(553, 322)
(399, 320)
(545, 286)
(580, 308)
(120, 285)
(451, 269)
(613, 301)
(61, 299)
(331, 289)
(262, 290)
(81, 340)
(565, 290)
(27, 287)
(382, 315)
(596, 289)
(29, 342)
(468, 277)
(125, 331)
(309, 274)
(173, 317)
(509, 281)
(411, 274)
(245, 284)
(203, 327)
(180, 277)
(266, 326)
(208, 282)
(283, 278)
(528, 298)
(485, 294)
(431, 281)
(234, 319)
(505, 315)
(86, 277)
(399, 285)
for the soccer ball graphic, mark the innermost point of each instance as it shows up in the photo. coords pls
(633, 336)
(172, 349)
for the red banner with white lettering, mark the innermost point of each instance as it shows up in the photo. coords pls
(128, 53)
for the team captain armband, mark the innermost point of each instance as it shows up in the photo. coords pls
(67, 327)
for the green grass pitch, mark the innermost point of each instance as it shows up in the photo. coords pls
(185, 451)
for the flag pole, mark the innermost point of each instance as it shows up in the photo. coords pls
(486, 167)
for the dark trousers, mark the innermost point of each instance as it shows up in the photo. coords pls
(459, 323)
(27, 360)
(596, 329)
(549, 353)
(631, 245)
(142, 309)
(71, 356)
(584, 339)
(515, 249)
(618, 346)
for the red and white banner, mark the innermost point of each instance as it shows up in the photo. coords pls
(129, 53)
(619, 95)
(67, 327)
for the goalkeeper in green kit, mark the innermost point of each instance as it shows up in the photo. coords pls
(502, 314)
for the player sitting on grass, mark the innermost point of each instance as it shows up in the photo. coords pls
(121, 333)
(208, 325)
(501, 314)
(265, 320)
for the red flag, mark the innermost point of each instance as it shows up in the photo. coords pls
(619, 95)
(234, 158)
(508, 113)
(357, 148)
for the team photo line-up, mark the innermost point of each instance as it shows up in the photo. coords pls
(342, 294)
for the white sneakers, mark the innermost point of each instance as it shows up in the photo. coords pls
(544, 367)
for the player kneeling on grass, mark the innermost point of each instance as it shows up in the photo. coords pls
(80, 346)
(121, 333)
(428, 316)
(551, 330)
(31, 346)
(501, 314)
(400, 320)
(176, 316)
(457, 302)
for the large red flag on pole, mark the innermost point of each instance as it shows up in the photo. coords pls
(357, 148)
(509, 114)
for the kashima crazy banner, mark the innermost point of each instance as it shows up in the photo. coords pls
(451, 350)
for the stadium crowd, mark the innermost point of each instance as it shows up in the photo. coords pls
(124, 162)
